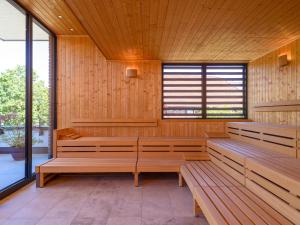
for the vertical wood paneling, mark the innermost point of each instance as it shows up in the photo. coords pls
(269, 83)
(90, 87)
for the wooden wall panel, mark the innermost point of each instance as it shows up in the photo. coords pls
(90, 87)
(268, 83)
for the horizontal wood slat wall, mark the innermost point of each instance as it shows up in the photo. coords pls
(268, 83)
(89, 87)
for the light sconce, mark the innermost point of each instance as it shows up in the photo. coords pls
(283, 60)
(131, 73)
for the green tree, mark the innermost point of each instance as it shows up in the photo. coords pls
(12, 99)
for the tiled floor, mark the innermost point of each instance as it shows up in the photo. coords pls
(109, 199)
(12, 171)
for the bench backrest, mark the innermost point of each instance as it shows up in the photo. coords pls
(69, 144)
(172, 148)
(279, 138)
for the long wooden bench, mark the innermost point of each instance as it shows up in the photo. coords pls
(230, 155)
(251, 140)
(279, 138)
(76, 154)
(261, 157)
(277, 182)
(223, 200)
(167, 154)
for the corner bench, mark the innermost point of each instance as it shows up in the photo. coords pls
(262, 159)
(223, 200)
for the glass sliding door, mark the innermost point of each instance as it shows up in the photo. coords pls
(27, 69)
(41, 126)
(12, 94)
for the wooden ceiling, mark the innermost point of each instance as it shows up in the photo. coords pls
(177, 30)
(55, 14)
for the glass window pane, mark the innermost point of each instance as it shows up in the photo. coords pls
(12, 94)
(41, 96)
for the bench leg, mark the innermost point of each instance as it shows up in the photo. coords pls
(181, 181)
(136, 179)
(197, 209)
(40, 180)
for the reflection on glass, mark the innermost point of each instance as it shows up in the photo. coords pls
(12, 94)
(40, 98)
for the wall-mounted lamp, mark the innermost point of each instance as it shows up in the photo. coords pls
(131, 73)
(283, 60)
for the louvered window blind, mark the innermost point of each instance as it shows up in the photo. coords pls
(204, 91)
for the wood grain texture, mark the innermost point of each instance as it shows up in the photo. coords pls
(188, 30)
(223, 200)
(282, 106)
(48, 11)
(268, 83)
(92, 88)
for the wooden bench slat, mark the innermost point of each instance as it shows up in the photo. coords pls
(189, 178)
(265, 207)
(250, 207)
(199, 179)
(276, 190)
(284, 175)
(212, 214)
(225, 201)
(232, 205)
(277, 138)
(206, 174)
(167, 154)
(289, 212)
(224, 177)
(226, 213)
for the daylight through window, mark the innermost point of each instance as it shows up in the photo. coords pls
(204, 91)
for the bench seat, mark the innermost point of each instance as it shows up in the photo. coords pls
(230, 155)
(276, 181)
(205, 173)
(167, 154)
(235, 205)
(74, 153)
(83, 165)
(159, 165)
(223, 200)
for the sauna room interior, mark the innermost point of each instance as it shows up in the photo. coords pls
(149, 112)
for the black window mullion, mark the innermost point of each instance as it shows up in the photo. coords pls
(28, 110)
(245, 96)
(204, 91)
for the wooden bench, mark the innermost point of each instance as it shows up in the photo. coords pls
(262, 157)
(167, 154)
(225, 201)
(76, 154)
(277, 182)
(280, 138)
(251, 140)
(230, 155)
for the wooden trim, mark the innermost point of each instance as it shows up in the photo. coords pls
(133, 60)
(114, 123)
(207, 120)
(216, 135)
(282, 106)
(54, 145)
